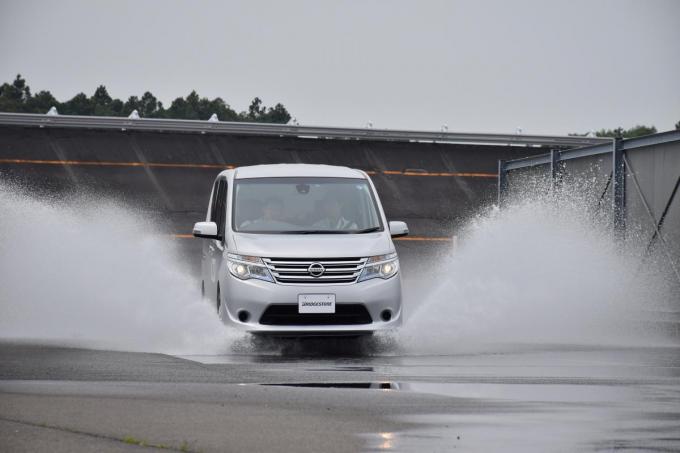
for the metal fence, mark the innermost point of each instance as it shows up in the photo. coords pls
(635, 181)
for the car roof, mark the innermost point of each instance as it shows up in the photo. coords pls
(296, 170)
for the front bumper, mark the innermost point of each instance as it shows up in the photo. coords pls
(254, 296)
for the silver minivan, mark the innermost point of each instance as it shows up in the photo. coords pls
(297, 249)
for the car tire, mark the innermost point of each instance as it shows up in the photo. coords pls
(218, 301)
(221, 309)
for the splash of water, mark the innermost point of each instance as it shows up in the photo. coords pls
(91, 273)
(543, 270)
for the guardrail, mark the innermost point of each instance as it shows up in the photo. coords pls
(286, 130)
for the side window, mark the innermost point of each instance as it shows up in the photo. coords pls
(221, 204)
(213, 203)
(218, 205)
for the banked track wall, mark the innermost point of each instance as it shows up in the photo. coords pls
(432, 186)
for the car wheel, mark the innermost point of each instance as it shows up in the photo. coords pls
(221, 309)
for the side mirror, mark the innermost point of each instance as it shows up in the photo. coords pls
(398, 229)
(207, 230)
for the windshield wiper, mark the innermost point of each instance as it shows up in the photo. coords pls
(313, 232)
(367, 230)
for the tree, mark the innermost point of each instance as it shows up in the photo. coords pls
(198, 108)
(149, 106)
(677, 126)
(117, 107)
(101, 102)
(101, 96)
(131, 104)
(16, 97)
(222, 109)
(258, 113)
(279, 114)
(79, 104)
(217, 106)
(41, 102)
(192, 106)
(636, 131)
(254, 110)
(177, 108)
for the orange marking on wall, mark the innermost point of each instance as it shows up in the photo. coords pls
(111, 164)
(227, 166)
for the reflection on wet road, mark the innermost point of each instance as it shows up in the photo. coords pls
(518, 397)
(488, 398)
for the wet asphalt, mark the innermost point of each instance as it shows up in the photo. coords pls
(320, 395)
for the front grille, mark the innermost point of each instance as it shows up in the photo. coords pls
(287, 315)
(296, 270)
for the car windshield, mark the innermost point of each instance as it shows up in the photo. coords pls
(304, 206)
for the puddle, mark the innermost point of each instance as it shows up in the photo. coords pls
(340, 385)
(510, 392)
(344, 368)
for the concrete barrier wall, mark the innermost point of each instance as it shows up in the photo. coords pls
(433, 187)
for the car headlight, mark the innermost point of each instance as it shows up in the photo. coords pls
(381, 266)
(244, 267)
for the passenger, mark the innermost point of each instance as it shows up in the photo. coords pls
(333, 219)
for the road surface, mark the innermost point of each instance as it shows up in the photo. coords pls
(335, 395)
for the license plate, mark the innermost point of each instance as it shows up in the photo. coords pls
(316, 303)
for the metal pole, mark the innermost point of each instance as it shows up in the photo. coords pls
(502, 181)
(619, 186)
(554, 168)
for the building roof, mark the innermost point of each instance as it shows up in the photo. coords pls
(299, 170)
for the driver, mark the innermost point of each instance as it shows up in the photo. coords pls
(272, 210)
(333, 219)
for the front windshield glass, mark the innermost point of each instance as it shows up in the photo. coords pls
(304, 206)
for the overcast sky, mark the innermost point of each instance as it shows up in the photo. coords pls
(479, 66)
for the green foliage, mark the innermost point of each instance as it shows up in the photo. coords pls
(16, 97)
(637, 131)
(260, 114)
(39, 102)
(79, 104)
